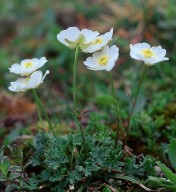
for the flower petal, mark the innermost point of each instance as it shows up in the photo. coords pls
(35, 80)
(150, 55)
(71, 34)
(104, 59)
(114, 52)
(46, 73)
(28, 66)
(16, 68)
(99, 42)
(104, 51)
(16, 86)
(90, 62)
(89, 35)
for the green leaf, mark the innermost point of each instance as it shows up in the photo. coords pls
(162, 182)
(106, 189)
(8, 188)
(172, 152)
(167, 172)
(5, 165)
(159, 121)
(104, 99)
(140, 103)
(45, 175)
(127, 178)
(17, 153)
(15, 168)
(8, 139)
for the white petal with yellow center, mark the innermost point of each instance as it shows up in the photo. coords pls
(31, 82)
(104, 59)
(27, 66)
(100, 42)
(97, 41)
(149, 55)
(73, 37)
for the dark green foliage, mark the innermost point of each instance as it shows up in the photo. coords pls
(172, 152)
(156, 124)
(170, 181)
(60, 162)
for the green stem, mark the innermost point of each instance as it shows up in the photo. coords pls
(38, 102)
(71, 160)
(74, 77)
(82, 135)
(119, 122)
(38, 110)
(75, 99)
(136, 96)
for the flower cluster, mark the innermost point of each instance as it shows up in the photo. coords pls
(31, 78)
(89, 41)
(104, 57)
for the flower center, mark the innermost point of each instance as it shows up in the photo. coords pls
(103, 60)
(97, 41)
(148, 53)
(28, 65)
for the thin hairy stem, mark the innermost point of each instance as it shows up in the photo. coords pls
(119, 121)
(75, 97)
(136, 96)
(74, 77)
(39, 104)
(38, 110)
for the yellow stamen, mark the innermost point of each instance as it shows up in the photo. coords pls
(147, 53)
(97, 41)
(103, 60)
(28, 64)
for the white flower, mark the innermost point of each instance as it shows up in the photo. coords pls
(27, 66)
(150, 55)
(99, 42)
(72, 37)
(31, 82)
(71, 187)
(104, 59)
